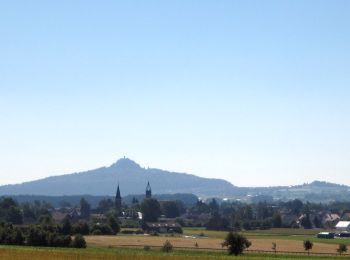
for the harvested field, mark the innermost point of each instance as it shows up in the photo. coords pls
(210, 243)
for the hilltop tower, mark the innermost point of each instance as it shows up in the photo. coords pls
(148, 191)
(118, 201)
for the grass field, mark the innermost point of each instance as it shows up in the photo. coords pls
(209, 246)
(29, 253)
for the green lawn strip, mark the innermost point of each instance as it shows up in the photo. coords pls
(120, 252)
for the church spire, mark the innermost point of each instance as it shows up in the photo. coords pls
(148, 191)
(118, 201)
(117, 196)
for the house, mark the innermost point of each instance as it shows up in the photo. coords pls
(328, 235)
(162, 227)
(346, 216)
(330, 220)
(343, 226)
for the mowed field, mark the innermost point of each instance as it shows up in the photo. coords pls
(285, 239)
(131, 247)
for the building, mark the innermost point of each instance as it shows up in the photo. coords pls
(162, 227)
(118, 201)
(327, 235)
(330, 220)
(148, 191)
(343, 226)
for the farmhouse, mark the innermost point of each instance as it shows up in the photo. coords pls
(343, 226)
(162, 227)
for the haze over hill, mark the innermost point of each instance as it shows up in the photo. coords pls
(133, 179)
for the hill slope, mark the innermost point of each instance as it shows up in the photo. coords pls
(132, 179)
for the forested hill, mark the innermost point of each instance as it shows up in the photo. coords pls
(131, 177)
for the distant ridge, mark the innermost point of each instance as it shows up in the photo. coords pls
(132, 178)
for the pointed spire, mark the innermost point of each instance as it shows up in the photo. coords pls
(118, 193)
(148, 190)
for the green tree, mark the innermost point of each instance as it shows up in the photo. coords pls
(342, 248)
(274, 247)
(113, 223)
(277, 220)
(79, 241)
(150, 209)
(236, 243)
(66, 227)
(85, 208)
(170, 209)
(213, 206)
(306, 222)
(308, 246)
(167, 247)
(14, 215)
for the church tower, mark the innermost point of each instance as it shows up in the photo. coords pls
(118, 201)
(148, 191)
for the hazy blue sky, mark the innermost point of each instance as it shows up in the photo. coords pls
(255, 92)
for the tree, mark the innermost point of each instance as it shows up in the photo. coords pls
(277, 220)
(113, 223)
(81, 228)
(167, 247)
(14, 215)
(214, 206)
(150, 209)
(342, 248)
(274, 247)
(305, 222)
(236, 243)
(308, 246)
(66, 227)
(85, 208)
(170, 209)
(216, 222)
(79, 242)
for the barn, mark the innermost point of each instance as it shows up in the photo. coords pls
(343, 226)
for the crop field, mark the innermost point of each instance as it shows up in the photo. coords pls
(192, 244)
(287, 240)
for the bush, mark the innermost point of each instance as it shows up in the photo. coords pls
(79, 241)
(167, 247)
(236, 243)
(57, 240)
(308, 246)
(81, 228)
(342, 248)
(147, 248)
(102, 229)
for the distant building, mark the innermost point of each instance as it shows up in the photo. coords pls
(118, 201)
(148, 191)
(327, 235)
(162, 227)
(330, 220)
(73, 214)
(343, 226)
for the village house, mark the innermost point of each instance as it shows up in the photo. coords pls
(343, 226)
(329, 220)
(162, 227)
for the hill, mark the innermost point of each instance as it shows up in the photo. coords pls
(316, 191)
(132, 178)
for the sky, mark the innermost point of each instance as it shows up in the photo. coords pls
(254, 92)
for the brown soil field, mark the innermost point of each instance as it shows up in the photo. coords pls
(210, 243)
